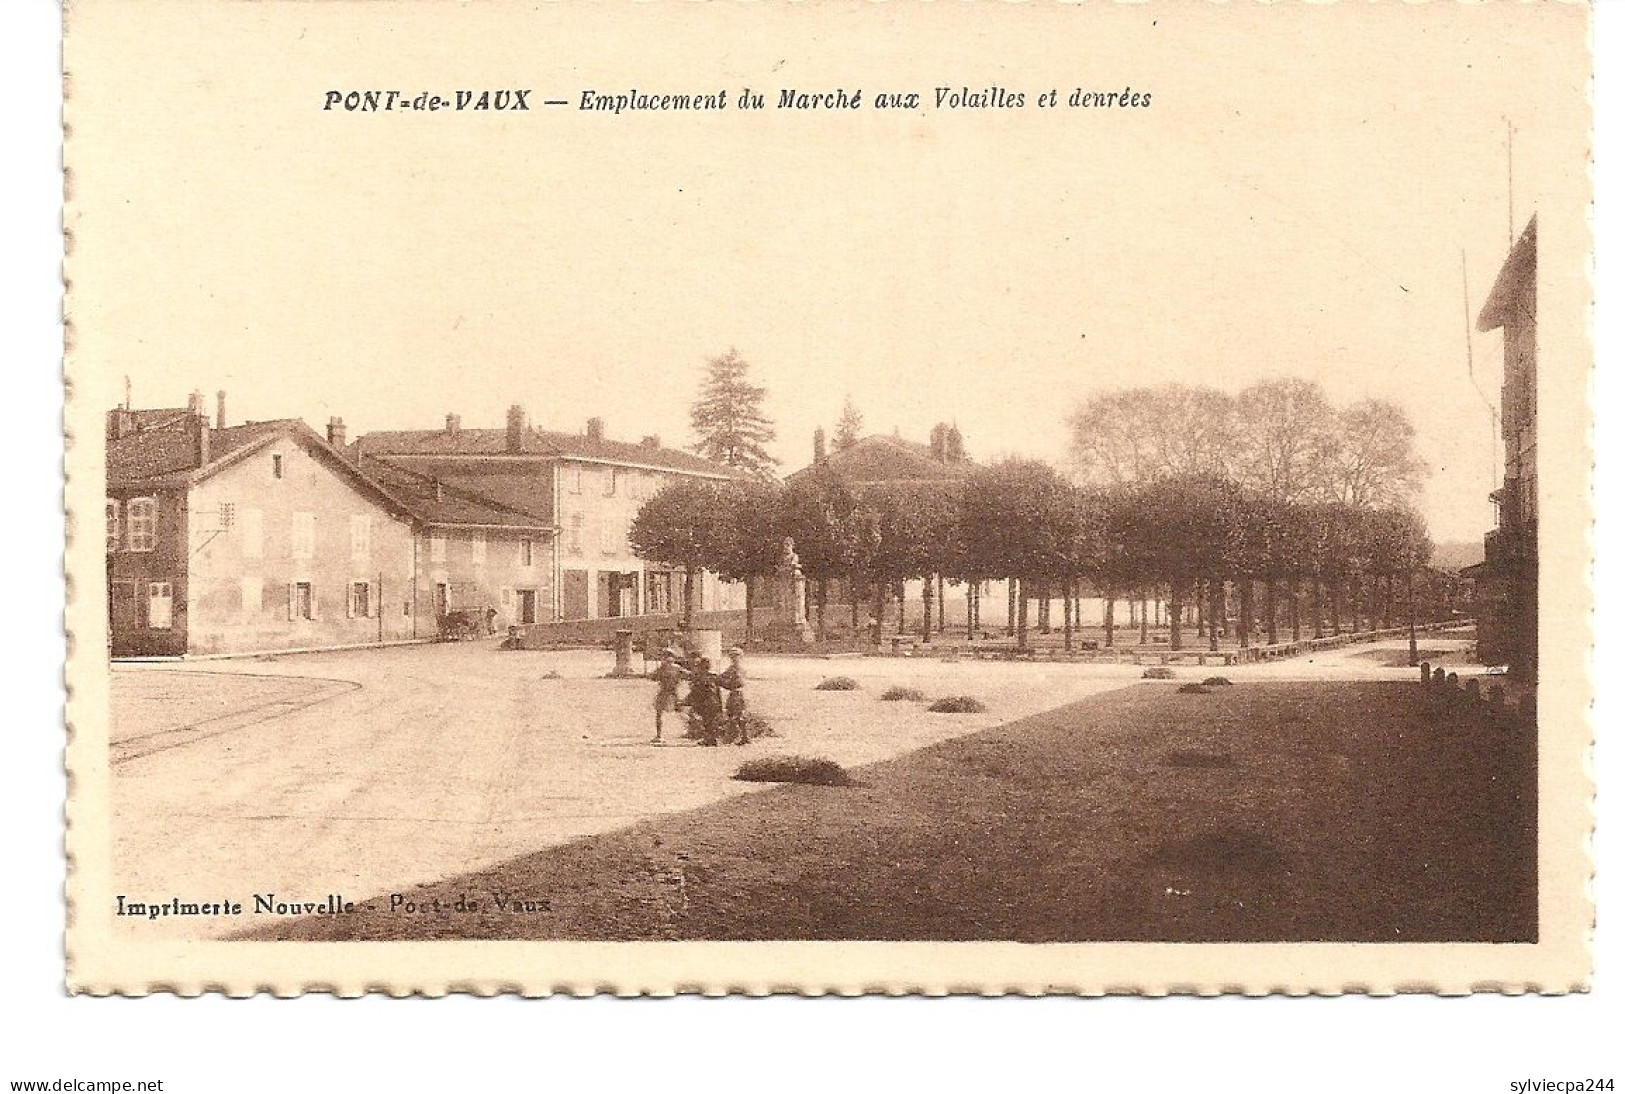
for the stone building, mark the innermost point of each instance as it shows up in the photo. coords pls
(256, 536)
(268, 536)
(1507, 592)
(585, 486)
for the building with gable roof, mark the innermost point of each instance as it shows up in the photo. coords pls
(248, 537)
(268, 536)
(586, 486)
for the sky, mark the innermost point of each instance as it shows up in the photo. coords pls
(1297, 201)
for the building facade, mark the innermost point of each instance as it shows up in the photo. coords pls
(585, 487)
(474, 556)
(1507, 592)
(258, 536)
(268, 536)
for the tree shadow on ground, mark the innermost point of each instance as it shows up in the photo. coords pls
(1345, 812)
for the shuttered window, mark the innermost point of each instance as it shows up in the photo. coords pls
(142, 523)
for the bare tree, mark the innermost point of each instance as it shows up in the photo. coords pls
(1375, 464)
(1139, 434)
(1286, 440)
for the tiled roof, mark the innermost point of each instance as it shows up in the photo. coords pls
(494, 442)
(148, 419)
(495, 500)
(1517, 273)
(169, 446)
(889, 459)
(165, 454)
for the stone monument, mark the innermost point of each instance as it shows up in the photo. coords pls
(790, 595)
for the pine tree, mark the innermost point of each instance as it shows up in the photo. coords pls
(850, 427)
(728, 418)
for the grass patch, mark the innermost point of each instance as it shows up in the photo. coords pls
(1222, 852)
(1194, 689)
(836, 683)
(1048, 830)
(806, 770)
(1157, 672)
(757, 726)
(898, 692)
(1189, 757)
(1216, 682)
(958, 704)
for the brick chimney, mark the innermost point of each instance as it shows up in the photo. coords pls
(200, 434)
(595, 429)
(120, 423)
(454, 424)
(820, 450)
(336, 432)
(220, 409)
(194, 403)
(516, 429)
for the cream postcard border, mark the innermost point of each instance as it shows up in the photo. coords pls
(100, 963)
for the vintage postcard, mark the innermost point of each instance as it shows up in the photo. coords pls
(829, 498)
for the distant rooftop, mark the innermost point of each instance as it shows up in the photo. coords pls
(525, 440)
(512, 500)
(889, 458)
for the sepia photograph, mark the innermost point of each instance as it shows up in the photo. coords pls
(819, 476)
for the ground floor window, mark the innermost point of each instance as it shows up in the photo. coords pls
(123, 598)
(360, 599)
(160, 605)
(527, 605)
(302, 603)
(657, 599)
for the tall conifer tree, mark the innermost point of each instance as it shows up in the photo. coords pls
(728, 418)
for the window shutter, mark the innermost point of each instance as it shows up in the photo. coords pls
(372, 600)
(349, 599)
(293, 601)
(315, 605)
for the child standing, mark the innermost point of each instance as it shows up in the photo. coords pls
(704, 701)
(733, 682)
(666, 676)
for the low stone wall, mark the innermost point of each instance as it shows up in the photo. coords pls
(1138, 655)
(600, 633)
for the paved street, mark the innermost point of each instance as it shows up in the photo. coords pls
(370, 771)
(366, 771)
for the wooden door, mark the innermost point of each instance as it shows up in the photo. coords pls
(573, 594)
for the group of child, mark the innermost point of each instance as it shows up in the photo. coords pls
(709, 714)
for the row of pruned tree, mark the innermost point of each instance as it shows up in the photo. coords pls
(1193, 539)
